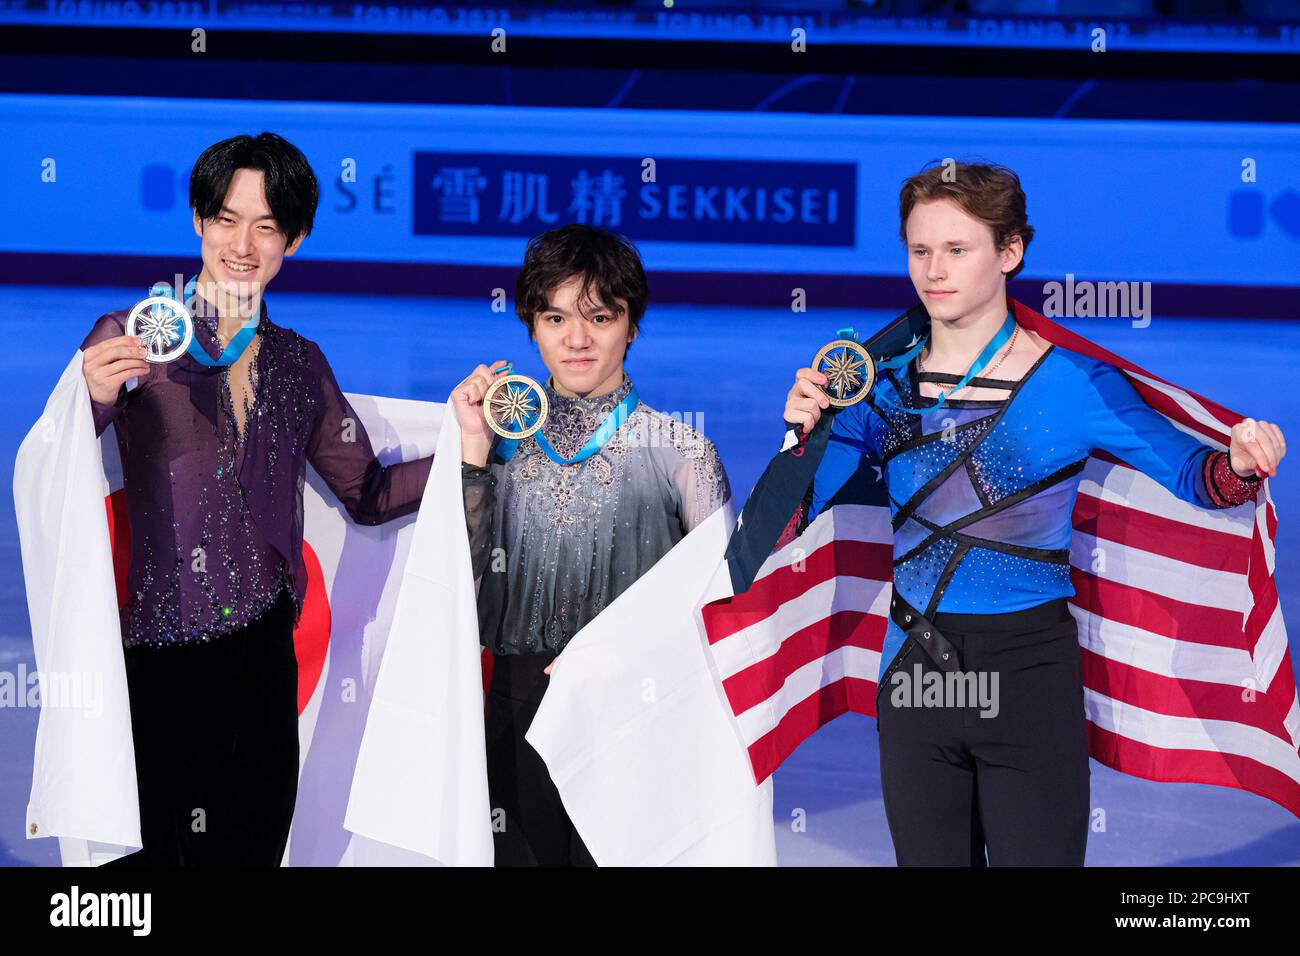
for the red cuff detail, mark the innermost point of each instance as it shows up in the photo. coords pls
(1225, 487)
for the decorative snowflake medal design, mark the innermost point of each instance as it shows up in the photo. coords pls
(165, 326)
(849, 369)
(515, 406)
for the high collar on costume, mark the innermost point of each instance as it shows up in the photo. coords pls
(578, 427)
(591, 403)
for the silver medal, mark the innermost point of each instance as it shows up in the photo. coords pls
(164, 325)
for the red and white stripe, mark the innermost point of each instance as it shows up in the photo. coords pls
(802, 645)
(1186, 666)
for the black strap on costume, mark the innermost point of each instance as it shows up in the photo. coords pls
(906, 509)
(920, 630)
(952, 530)
(944, 531)
(918, 440)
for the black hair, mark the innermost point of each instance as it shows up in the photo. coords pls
(608, 263)
(289, 183)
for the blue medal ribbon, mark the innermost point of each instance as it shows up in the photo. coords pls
(898, 361)
(982, 360)
(234, 349)
(506, 448)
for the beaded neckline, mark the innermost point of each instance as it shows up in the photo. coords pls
(589, 403)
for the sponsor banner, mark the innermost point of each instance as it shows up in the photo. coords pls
(1202, 204)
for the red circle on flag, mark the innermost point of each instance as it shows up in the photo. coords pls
(311, 636)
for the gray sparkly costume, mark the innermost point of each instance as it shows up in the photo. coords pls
(554, 544)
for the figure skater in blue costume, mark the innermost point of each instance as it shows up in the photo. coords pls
(982, 435)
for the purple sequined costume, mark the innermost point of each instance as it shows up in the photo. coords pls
(216, 517)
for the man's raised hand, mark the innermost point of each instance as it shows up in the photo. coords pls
(108, 364)
(467, 400)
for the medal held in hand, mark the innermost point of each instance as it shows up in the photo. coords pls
(515, 406)
(164, 325)
(849, 369)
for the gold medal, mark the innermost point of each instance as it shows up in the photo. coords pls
(849, 369)
(515, 406)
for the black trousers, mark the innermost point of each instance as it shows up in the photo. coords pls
(958, 785)
(529, 824)
(215, 726)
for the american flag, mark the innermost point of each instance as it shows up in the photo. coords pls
(1186, 667)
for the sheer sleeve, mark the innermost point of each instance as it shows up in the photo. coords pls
(478, 488)
(107, 327)
(701, 481)
(339, 449)
(1120, 422)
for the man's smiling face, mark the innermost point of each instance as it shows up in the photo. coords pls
(243, 246)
